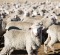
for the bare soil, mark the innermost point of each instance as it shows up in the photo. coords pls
(57, 49)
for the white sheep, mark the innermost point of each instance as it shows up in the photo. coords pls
(25, 24)
(20, 39)
(21, 25)
(53, 37)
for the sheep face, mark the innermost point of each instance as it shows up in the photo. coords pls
(36, 28)
(25, 39)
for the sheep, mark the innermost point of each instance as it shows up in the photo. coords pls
(48, 20)
(32, 19)
(53, 36)
(20, 39)
(46, 23)
(25, 24)
(10, 18)
(21, 25)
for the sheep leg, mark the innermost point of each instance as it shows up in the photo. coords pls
(51, 42)
(45, 44)
(12, 49)
(5, 50)
(29, 51)
(51, 47)
(29, 48)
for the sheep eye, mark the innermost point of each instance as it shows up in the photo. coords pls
(53, 12)
(29, 28)
(47, 17)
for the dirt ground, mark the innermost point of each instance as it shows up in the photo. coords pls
(57, 49)
(40, 51)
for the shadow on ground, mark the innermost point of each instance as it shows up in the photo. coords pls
(19, 52)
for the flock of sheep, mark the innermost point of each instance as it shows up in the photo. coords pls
(23, 24)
